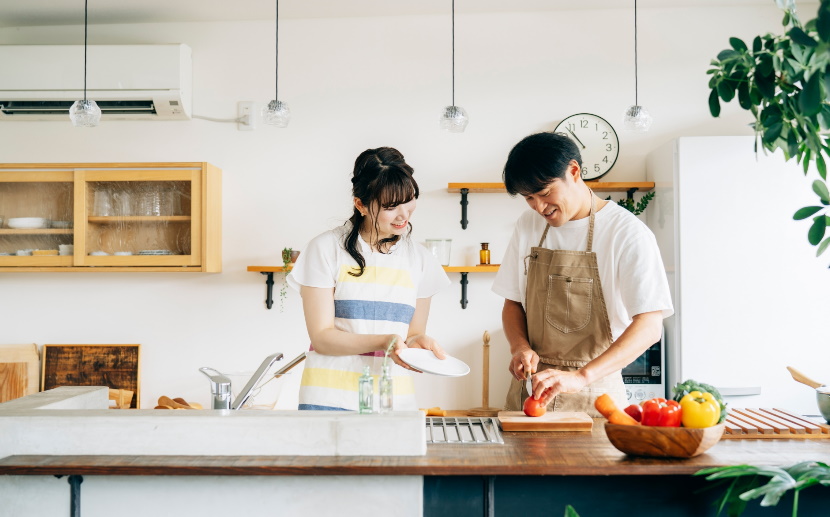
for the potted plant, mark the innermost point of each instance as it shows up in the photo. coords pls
(783, 81)
(289, 257)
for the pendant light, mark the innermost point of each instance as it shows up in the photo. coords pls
(277, 112)
(636, 118)
(85, 113)
(454, 119)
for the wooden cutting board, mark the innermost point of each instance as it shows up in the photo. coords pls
(116, 366)
(551, 421)
(19, 371)
(769, 423)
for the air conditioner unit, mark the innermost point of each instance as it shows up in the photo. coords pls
(129, 82)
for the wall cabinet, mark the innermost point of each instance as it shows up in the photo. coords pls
(110, 217)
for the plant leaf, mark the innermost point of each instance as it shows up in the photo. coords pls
(816, 231)
(801, 37)
(738, 44)
(570, 512)
(726, 55)
(823, 24)
(820, 188)
(819, 251)
(743, 96)
(725, 90)
(756, 44)
(714, 103)
(773, 132)
(807, 211)
(821, 165)
(809, 100)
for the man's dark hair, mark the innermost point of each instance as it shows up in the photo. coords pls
(538, 160)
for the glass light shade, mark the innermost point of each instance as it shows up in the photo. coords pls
(85, 113)
(636, 119)
(276, 113)
(454, 119)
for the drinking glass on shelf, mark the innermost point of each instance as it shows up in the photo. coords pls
(151, 201)
(123, 203)
(102, 202)
(170, 202)
(441, 249)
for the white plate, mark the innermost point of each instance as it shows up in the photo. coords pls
(27, 223)
(426, 361)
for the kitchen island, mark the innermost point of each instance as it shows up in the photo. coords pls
(530, 470)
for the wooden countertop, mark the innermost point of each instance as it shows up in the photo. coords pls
(523, 453)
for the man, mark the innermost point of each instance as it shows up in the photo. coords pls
(584, 285)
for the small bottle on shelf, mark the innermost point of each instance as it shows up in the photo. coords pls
(365, 391)
(386, 389)
(484, 254)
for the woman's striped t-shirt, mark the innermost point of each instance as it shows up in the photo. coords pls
(380, 301)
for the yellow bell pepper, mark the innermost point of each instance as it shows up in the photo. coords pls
(699, 410)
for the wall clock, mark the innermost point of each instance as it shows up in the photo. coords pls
(597, 141)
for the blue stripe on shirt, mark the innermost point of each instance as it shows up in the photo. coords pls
(372, 310)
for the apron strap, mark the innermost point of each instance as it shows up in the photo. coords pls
(544, 234)
(590, 222)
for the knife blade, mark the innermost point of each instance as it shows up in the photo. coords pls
(529, 385)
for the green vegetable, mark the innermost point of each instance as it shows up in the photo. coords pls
(682, 389)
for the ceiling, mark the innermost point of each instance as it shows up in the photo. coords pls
(22, 13)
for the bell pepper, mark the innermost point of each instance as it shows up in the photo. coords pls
(700, 409)
(661, 412)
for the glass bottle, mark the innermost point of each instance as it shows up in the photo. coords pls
(484, 254)
(386, 389)
(365, 391)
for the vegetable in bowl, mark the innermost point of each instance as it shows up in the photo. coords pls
(682, 389)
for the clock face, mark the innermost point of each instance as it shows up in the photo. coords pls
(597, 141)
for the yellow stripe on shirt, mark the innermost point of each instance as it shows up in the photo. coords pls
(377, 275)
(347, 381)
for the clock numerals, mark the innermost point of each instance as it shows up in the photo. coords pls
(598, 145)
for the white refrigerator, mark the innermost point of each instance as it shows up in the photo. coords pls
(750, 296)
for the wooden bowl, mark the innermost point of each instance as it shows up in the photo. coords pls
(662, 442)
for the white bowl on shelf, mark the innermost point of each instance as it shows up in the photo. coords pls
(28, 223)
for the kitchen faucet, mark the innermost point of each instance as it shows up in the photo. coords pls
(220, 385)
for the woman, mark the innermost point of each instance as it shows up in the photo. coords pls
(365, 285)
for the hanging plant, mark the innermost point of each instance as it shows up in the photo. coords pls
(286, 262)
(783, 81)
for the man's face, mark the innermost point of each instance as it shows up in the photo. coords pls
(560, 201)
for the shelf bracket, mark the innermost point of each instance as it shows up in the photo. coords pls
(464, 290)
(269, 288)
(464, 203)
(74, 494)
(629, 194)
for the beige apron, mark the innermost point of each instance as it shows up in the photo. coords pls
(567, 322)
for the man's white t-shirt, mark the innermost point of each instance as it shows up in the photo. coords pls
(630, 267)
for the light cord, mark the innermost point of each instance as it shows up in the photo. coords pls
(277, 58)
(86, 11)
(453, 52)
(636, 85)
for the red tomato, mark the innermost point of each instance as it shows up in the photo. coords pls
(635, 412)
(534, 407)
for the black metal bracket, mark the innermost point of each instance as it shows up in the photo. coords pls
(464, 203)
(464, 290)
(490, 496)
(74, 494)
(630, 193)
(269, 288)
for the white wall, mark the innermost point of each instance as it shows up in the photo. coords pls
(355, 83)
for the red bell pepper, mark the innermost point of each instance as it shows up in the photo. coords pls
(662, 413)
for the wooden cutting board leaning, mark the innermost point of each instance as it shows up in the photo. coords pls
(19, 371)
(551, 421)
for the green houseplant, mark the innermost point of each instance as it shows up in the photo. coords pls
(783, 81)
(286, 262)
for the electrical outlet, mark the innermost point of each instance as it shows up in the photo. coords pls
(247, 115)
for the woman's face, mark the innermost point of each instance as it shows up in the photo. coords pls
(390, 221)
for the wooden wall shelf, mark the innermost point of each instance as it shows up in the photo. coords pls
(629, 187)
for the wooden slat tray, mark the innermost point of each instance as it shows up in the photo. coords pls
(766, 423)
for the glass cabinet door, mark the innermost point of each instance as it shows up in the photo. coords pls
(36, 218)
(138, 217)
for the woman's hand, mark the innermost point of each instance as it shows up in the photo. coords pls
(399, 344)
(427, 343)
(523, 363)
(551, 382)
